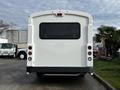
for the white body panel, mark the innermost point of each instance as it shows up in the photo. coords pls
(3, 40)
(60, 53)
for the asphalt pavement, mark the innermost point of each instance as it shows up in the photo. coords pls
(13, 77)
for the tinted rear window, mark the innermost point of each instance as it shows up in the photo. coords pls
(59, 30)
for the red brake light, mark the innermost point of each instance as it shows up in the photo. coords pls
(29, 47)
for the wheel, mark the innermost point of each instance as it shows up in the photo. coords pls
(22, 55)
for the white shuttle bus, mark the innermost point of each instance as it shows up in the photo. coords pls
(60, 42)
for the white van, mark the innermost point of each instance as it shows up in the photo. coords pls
(60, 42)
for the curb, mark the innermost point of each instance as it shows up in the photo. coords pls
(103, 82)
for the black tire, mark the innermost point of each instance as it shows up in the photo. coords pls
(22, 55)
(39, 75)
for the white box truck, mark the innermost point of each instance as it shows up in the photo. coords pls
(60, 42)
(11, 49)
(8, 49)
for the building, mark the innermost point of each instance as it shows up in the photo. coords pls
(15, 36)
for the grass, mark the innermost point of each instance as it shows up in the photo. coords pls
(109, 71)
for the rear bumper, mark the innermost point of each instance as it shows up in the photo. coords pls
(58, 70)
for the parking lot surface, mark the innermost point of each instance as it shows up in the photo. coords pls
(13, 77)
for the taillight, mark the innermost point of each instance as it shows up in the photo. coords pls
(89, 53)
(89, 58)
(30, 47)
(29, 53)
(29, 58)
(89, 47)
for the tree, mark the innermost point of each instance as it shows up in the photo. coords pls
(110, 38)
(116, 42)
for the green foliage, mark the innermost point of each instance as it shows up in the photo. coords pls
(110, 37)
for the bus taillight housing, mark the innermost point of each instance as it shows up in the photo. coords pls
(89, 55)
(30, 52)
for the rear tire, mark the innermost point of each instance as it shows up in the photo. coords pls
(22, 55)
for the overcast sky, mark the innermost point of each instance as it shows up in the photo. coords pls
(105, 12)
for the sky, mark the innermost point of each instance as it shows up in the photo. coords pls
(104, 12)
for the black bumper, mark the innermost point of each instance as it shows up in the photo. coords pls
(58, 70)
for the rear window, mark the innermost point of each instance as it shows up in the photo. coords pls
(59, 30)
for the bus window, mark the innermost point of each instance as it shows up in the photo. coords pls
(64, 30)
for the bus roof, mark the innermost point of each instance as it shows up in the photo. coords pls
(80, 13)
